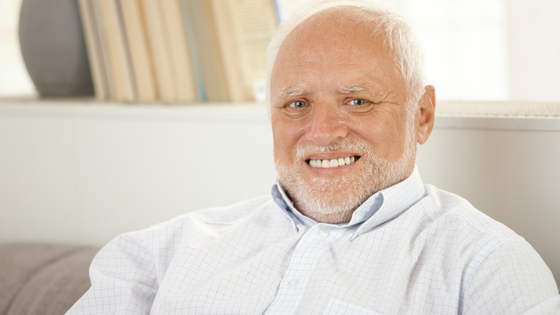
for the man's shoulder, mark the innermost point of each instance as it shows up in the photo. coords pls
(499, 264)
(193, 230)
(200, 223)
(449, 209)
(226, 215)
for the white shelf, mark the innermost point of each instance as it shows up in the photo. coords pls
(89, 109)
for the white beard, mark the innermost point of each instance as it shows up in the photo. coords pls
(343, 194)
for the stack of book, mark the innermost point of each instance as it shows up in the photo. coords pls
(177, 50)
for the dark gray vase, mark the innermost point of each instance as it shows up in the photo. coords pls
(53, 48)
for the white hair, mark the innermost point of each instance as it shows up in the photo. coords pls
(407, 50)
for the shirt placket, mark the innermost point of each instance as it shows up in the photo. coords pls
(292, 291)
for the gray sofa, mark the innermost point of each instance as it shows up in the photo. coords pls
(44, 279)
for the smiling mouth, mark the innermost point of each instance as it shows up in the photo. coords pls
(333, 162)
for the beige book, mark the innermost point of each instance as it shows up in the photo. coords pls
(160, 48)
(139, 50)
(181, 58)
(210, 55)
(93, 45)
(119, 54)
(104, 45)
(229, 51)
(244, 29)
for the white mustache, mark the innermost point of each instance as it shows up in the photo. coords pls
(359, 147)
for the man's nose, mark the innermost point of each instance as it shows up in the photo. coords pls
(327, 125)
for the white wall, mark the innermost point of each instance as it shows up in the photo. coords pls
(484, 49)
(83, 173)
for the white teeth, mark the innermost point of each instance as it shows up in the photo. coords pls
(332, 163)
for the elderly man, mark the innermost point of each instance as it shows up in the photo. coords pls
(349, 228)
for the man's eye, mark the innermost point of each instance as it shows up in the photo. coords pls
(357, 102)
(298, 104)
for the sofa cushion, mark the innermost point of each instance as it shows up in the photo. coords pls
(42, 278)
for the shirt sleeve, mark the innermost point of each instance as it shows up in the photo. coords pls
(513, 279)
(123, 279)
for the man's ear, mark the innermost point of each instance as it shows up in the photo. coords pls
(425, 115)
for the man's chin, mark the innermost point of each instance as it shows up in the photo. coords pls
(332, 196)
(328, 205)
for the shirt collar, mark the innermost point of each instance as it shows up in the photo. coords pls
(381, 207)
(281, 199)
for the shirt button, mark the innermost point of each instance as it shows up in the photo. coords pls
(324, 233)
(294, 283)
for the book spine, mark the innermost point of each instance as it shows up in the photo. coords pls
(95, 55)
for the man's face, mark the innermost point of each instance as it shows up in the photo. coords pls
(336, 96)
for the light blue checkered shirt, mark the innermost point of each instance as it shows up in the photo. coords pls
(409, 249)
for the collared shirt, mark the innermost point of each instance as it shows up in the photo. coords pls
(409, 249)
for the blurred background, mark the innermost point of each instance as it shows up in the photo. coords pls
(475, 50)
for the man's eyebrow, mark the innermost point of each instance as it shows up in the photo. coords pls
(354, 88)
(291, 92)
